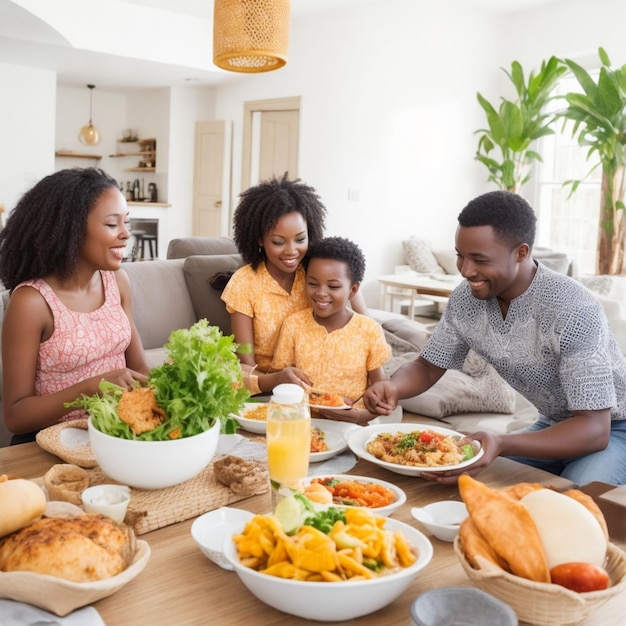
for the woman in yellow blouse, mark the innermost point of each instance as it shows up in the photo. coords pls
(274, 224)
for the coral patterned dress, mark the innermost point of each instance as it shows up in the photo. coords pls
(82, 344)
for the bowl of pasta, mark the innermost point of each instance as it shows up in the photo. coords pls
(341, 564)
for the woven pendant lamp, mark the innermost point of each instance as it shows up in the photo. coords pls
(250, 35)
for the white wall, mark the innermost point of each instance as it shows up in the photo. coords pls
(389, 109)
(27, 122)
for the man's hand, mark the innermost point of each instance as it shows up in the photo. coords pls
(381, 398)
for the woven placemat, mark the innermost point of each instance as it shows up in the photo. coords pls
(152, 509)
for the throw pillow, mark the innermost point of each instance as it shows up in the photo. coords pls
(419, 257)
(447, 259)
(477, 388)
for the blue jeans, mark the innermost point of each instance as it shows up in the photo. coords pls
(607, 466)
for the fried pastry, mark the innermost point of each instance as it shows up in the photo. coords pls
(474, 544)
(508, 528)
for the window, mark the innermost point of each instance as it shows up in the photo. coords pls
(568, 223)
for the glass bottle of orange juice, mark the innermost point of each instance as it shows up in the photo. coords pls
(288, 439)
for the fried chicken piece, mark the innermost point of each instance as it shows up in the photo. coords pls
(138, 408)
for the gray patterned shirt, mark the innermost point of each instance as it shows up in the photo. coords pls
(554, 346)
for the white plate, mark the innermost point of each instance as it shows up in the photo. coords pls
(358, 440)
(325, 407)
(252, 426)
(381, 510)
(336, 436)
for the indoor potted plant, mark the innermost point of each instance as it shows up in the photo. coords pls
(514, 126)
(599, 116)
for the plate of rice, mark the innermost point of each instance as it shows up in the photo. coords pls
(411, 449)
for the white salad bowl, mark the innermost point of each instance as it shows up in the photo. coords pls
(334, 601)
(153, 464)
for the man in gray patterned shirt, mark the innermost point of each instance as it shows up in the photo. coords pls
(543, 332)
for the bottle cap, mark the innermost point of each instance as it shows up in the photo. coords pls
(287, 393)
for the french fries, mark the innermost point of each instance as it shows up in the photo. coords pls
(360, 548)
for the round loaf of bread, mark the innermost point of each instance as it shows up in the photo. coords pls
(21, 502)
(81, 549)
(66, 482)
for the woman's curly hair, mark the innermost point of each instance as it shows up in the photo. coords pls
(46, 230)
(339, 249)
(261, 206)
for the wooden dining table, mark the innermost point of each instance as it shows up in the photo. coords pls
(180, 586)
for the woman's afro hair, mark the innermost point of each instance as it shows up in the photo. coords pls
(261, 206)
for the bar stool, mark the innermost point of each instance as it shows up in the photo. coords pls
(151, 240)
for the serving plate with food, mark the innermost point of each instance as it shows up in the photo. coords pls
(329, 438)
(381, 497)
(411, 449)
(324, 400)
(253, 417)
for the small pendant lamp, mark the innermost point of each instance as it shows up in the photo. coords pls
(250, 35)
(89, 134)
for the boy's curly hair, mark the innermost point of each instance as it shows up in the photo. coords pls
(46, 230)
(261, 206)
(339, 249)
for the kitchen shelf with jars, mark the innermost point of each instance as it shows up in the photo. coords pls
(145, 150)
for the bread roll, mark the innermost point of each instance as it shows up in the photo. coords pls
(21, 503)
(66, 482)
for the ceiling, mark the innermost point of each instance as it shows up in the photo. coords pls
(135, 44)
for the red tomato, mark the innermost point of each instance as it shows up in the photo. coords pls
(426, 437)
(580, 577)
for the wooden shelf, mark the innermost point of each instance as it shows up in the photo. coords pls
(140, 169)
(77, 155)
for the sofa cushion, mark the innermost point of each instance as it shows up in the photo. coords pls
(207, 302)
(183, 247)
(419, 257)
(446, 257)
(161, 301)
(476, 388)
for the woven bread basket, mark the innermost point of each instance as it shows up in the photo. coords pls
(544, 604)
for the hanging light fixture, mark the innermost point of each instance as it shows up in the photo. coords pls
(250, 35)
(89, 134)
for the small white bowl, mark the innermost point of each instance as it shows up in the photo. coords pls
(210, 530)
(110, 500)
(442, 519)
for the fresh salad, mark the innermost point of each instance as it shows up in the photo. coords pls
(200, 381)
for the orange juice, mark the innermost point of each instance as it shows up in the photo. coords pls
(288, 439)
(288, 448)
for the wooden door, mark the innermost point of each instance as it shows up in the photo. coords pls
(270, 139)
(211, 176)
